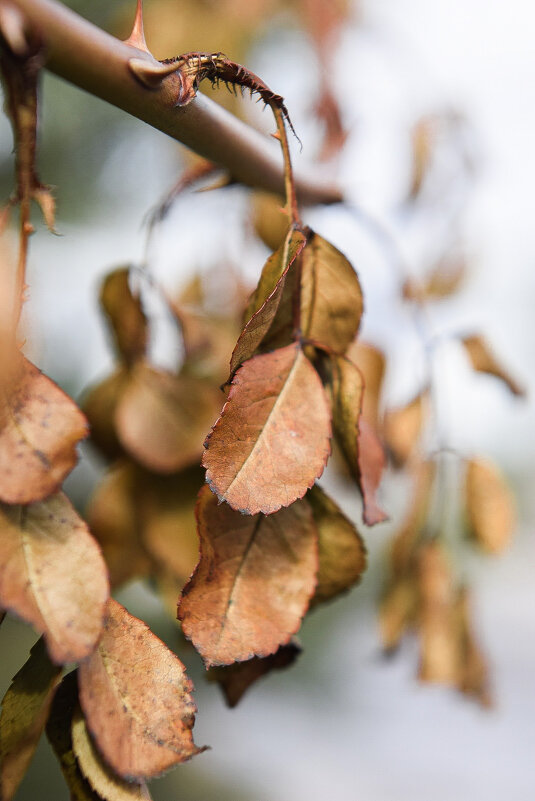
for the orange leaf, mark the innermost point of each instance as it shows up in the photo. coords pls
(52, 575)
(489, 506)
(342, 553)
(265, 301)
(236, 679)
(360, 445)
(484, 361)
(99, 404)
(272, 439)
(253, 583)
(39, 429)
(162, 419)
(125, 314)
(136, 699)
(402, 427)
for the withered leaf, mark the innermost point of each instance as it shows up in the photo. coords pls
(331, 297)
(371, 363)
(114, 521)
(269, 220)
(136, 699)
(99, 405)
(406, 537)
(52, 575)
(442, 281)
(484, 361)
(490, 507)
(397, 610)
(423, 140)
(342, 553)
(272, 439)
(265, 301)
(162, 419)
(439, 644)
(402, 427)
(125, 314)
(39, 429)
(102, 779)
(58, 731)
(253, 583)
(360, 445)
(25, 709)
(474, 672)
(237, 678)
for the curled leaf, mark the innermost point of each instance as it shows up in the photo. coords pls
(342, 553)
(40, 427)
(269, 220)
(237, 678)
(484, 361)
(25, 709)
(490, 507)
(52, 575)
(136, 699)
(125, 314)
(371, 363)
(272, 439)
(253, 583)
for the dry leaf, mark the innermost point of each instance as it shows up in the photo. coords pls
(52, 575)
(136, 699)
(490, 507)
(236, 679)
(439, 646)
(331, 297)
(101, 778)
(40, 427)
(99, 405)
(402, 427)
(162, 419)
(484, 361)
(360, 445)
(423, 140)
(25, 709)
(397, 610)
(253, 583)
(114, 521)
(265, 301)
(443, 280)
(126, 316)
(58, 731)
(342, 553)
(410, 531)
(269, 219)
(474, 678)
(371, 363)
(272, 439)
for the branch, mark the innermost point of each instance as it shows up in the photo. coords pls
(90, 58)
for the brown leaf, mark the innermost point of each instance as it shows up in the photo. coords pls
(360, 445)
(162, 419)
(136, 699)
(397, 610)
(236, 679)
(371, 363)
(342, 553)
(253, 583)
(443, 280)
(474, 673)
(265, 300)
(52, 575)
(25, 709)
(331, 297)
(114, 520)
(99, 405)
(272, 439)
(166, 513)
(269, 219)
(439, 646)
(490, 507)
(125, 314)
(101, 778)
(402, 427)
(39, 429)
(58, 731)
(484, 361)
(423, 142)
(407, 536)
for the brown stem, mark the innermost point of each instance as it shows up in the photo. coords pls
(289, 183)
(97, 62)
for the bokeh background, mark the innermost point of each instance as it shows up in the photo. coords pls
(344, 722)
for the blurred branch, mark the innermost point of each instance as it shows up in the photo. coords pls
(92, 59)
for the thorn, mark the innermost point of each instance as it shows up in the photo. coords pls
(137, 37)
(276, 136)
(151, 73)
